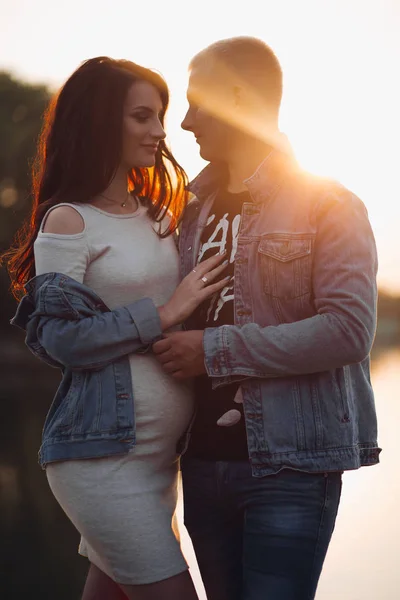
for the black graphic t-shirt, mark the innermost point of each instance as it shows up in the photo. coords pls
(219, 430)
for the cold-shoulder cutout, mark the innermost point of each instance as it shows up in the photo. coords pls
(63, 219)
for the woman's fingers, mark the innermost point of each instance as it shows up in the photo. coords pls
(211, 275)
(208, 265)
(211, 289)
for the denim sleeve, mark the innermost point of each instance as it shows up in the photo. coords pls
(92, 342)
(345, 296)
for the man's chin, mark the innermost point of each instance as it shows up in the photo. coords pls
(208, 155)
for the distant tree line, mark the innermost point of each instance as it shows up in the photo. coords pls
(21, 109)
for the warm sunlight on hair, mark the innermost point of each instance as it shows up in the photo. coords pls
(239, 81)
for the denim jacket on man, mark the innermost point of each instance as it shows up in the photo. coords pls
(304, 318)
(68, 326)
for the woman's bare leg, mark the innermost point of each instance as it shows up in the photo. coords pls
(99, 586)
(179, 587)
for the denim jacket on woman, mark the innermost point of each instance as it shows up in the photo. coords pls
(68, 326)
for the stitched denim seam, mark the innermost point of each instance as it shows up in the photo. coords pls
(320, 527)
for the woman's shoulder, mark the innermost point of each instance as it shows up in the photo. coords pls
(61, 245)
(63, 219)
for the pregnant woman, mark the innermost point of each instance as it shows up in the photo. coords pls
(99, 268)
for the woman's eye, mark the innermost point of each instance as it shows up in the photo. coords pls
(141, 118)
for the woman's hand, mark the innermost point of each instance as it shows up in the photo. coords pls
(198, 285)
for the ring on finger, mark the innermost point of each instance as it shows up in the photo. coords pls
(204, 279)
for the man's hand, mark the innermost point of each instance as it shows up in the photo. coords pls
(181, 353)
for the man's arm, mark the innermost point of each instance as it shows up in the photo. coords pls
(344, 288)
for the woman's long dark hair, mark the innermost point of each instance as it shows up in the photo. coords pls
(79, 151)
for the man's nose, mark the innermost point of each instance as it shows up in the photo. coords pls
(187, 122)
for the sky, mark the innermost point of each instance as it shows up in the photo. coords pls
(340, 59)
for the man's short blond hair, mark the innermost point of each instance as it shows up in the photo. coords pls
(248, 59)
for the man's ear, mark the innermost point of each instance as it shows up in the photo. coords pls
(237, 95)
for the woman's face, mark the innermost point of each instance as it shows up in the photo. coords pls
(142, 129)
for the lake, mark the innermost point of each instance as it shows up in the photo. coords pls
(38, 544)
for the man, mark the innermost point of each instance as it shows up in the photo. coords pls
(281, 355)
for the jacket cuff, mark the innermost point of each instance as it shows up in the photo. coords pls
(216, 351)
(147, 320)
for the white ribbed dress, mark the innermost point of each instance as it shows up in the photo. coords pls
(124, 506)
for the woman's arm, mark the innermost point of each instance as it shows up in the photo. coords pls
(92, 342)
(83, 342)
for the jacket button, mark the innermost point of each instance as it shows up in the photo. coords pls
(285, 248)
(190, 247)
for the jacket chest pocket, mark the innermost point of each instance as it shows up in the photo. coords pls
(286, 265)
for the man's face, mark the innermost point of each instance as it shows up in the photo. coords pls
(206, 115)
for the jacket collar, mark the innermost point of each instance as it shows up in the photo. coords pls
(262, 185)
(207, 181)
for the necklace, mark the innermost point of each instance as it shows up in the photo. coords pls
(123, 204)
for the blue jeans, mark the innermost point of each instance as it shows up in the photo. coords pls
(258, 538)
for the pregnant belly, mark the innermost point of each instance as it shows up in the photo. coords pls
(163, 406)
